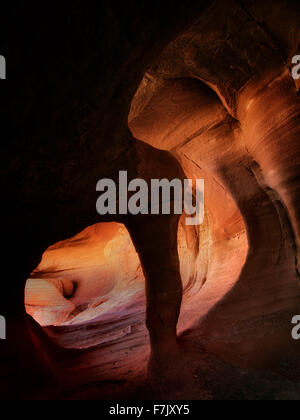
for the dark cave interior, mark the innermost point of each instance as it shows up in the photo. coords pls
(197, 89)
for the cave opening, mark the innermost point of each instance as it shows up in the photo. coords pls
(91, 278)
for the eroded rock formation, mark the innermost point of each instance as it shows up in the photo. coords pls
(203, 92)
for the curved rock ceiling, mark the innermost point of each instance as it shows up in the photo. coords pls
(209, 96)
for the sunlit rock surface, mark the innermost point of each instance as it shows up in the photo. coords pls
(45, 302)
(247, 150)
(96, 278)
(103, 267)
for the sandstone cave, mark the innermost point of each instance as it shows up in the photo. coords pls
(117, 307)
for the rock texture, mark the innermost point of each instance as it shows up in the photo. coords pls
(212, 145)
(180, 89)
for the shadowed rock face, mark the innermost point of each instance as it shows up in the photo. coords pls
(206, 92)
